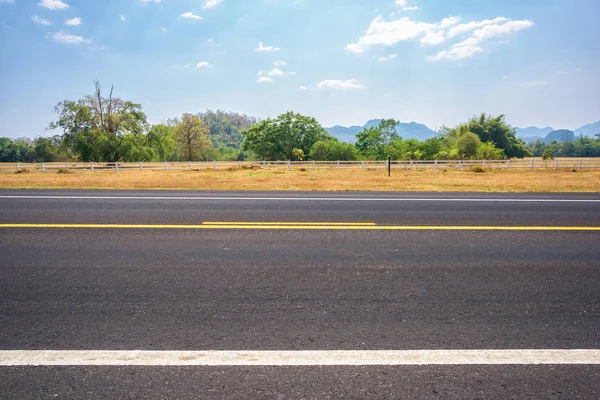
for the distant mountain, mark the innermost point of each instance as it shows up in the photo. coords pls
(406, 130)
(533, 132)
(589, 130)
(560, 135)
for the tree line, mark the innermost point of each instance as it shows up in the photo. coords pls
(105, 128)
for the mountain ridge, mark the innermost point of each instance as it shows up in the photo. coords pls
(415, 130)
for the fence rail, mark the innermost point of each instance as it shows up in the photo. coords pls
(531, 163)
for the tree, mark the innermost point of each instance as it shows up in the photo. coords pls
(467, 144)
(371, 142)
(274, 139)
(94, 128)
(333, 150)
(497, 131)
(161, 138)
(191, 132)
(298, 154)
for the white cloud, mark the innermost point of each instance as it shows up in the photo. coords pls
(122, 17)
(73, 21)
(67, 38)
(202, 64)
(53, 4)
(163, 30)
(302, 88)
(401, 3)
(279, 63)
(471, 26)
(457, 52)
(387, 58)
(332, 84)
(467, 48)
(264, 79)
(263, 48)
(276, 72)
(412, 8)
(211, 3)
(39, 20)
(190, 15)
(389, 33)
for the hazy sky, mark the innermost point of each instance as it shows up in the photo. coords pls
(341, 61)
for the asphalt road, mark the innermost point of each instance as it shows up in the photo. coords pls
(163, 289)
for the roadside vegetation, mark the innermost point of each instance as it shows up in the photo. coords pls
(104, 128)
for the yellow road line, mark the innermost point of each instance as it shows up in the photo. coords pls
(312, 227)
(293, 223)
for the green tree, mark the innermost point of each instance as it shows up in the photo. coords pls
(274, 139)
(372, 141)
(467, 144)
(497, 131)
(333, 150)
(191, 133)
(161, 138)
(298, 154)
(94, 128)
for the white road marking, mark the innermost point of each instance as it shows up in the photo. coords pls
(388, 199)
(309, 357)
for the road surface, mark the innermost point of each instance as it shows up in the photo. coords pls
(290, 273)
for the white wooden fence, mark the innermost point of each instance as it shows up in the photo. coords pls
(531, 163)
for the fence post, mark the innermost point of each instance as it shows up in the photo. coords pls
(580, 164)
(338, 164)
(484, 164)
(214, 165)
(289, 164)
(18, 167)
(435, 166)
(190, 165)
(313, 166)
(508, 165)
(166, 166)
(460, 165)
(67, 165)
(362, 165)
(556, 164)
(389, 165)
(411, 165)
(141, 166)
(117, 167)
(43, 168)
(92, 166)
(532, 164)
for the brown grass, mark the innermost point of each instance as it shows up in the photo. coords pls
(344, 180)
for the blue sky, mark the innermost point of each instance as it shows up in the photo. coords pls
(341, 61)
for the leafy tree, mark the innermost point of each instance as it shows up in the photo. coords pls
(17, 150)
(94, 127)
(191, 133)
(298, 154)
(497, 131)
(371, 142)
(46, 149)
(225, 128)
(274, 139)
(161, 138)
(333, 150)
(487, 151)
(467, 144)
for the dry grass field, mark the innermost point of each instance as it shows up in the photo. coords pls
(566, 180)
